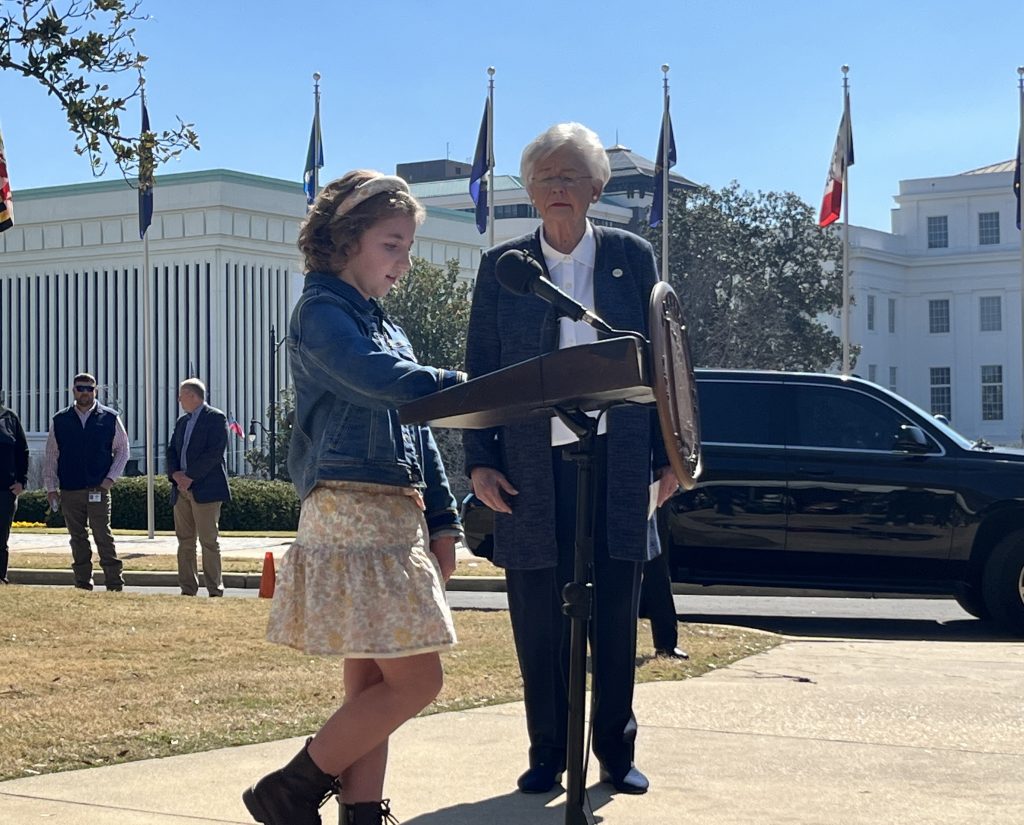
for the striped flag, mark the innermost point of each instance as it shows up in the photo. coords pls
(6, 202)
(842, 159)
(235, 427)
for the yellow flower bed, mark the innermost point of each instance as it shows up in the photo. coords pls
(27, 524)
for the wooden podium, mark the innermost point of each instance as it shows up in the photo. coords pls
(570, 383)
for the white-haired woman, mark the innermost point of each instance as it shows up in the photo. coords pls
(518, 470)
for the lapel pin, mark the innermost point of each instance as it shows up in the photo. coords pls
(616, 273)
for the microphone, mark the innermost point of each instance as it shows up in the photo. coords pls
(521, 273)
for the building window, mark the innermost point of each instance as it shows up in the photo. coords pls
(872, 372)
(938, 232)
(942, 394)
(892, 379)
(938, 315)
(992, 393)
(988, 227)
(871, 312)
(892, 315)
(991, 313)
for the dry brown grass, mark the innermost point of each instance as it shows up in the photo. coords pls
(96, 678)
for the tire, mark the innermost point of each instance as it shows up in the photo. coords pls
(1003, 583)
(972, 601)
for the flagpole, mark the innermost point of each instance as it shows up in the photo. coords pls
(316, 118)
(490, 157)
(147, 372)
(846, 230)
(665, 149)
(1020, 165)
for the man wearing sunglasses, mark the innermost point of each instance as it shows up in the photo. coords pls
(86, 452)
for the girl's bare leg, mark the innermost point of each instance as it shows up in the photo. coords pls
(363, 780)
(363, 723)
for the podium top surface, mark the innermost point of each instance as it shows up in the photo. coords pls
(586, 377)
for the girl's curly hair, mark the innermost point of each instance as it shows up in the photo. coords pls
(326, 239)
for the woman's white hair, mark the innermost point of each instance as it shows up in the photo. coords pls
(579, 137)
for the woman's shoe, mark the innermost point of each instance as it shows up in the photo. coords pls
(369, 813)
(539, 778)
(292, 795)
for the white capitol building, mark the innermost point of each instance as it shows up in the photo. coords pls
(937, 300)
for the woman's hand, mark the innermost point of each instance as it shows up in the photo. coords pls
(667, 484)
(443, 549)
(488, 486)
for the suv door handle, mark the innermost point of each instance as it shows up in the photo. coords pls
(806, 472)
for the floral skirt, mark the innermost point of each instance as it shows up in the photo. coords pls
(359, 580)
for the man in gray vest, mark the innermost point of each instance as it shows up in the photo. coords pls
(86, 452)
(199, 485)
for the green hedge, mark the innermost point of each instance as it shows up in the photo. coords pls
(254, 505)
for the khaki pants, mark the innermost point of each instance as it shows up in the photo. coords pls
(78, 513)
(191, 520)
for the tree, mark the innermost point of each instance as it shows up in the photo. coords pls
(432, 305)
(260, 458)
(72, 51)
(754, 273)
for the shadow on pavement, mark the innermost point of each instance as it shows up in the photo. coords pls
(514, 809)
(966, 630)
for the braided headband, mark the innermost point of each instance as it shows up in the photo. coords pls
(368, 188)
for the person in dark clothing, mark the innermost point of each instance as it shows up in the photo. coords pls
(13, 477)
(656, 602)
(86, 452)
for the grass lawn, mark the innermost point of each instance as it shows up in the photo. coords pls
(97, 678)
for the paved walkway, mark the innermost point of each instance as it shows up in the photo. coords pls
(814, 732)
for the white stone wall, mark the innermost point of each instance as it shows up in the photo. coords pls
(899, 265)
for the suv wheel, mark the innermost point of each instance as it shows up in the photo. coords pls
(1003, 582)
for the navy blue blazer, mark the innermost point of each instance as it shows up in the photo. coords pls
(205, 458)
(505, 329)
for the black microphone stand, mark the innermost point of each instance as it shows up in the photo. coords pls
(577, 604)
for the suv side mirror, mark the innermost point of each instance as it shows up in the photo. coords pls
(911, 439)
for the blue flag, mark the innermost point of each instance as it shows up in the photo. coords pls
(1016, 182)
(314, 158)
(478, 175)
(659, 172)
(145, 178)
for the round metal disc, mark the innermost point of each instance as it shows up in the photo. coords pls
(675, 389)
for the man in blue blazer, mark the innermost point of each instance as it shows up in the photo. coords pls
(519, 472)
(199, 485)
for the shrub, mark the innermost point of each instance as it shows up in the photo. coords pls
(254, 505)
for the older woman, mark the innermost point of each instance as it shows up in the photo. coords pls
(518, 470)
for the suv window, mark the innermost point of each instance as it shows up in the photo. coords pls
(725, 412)
(844, 418)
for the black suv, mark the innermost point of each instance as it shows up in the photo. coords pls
(819, 481)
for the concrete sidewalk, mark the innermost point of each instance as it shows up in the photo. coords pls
(814, 731)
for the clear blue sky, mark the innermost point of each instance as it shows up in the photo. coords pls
(756, 86)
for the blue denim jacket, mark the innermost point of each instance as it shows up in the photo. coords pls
(352, 366)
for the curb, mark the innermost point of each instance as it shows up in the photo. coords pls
(465, 584)
(232, 581)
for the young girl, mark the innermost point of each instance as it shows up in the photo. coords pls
(377, 530)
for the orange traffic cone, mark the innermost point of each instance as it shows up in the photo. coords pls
(269, 577)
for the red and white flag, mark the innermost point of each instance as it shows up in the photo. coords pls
(6, 203)
(842, 159)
